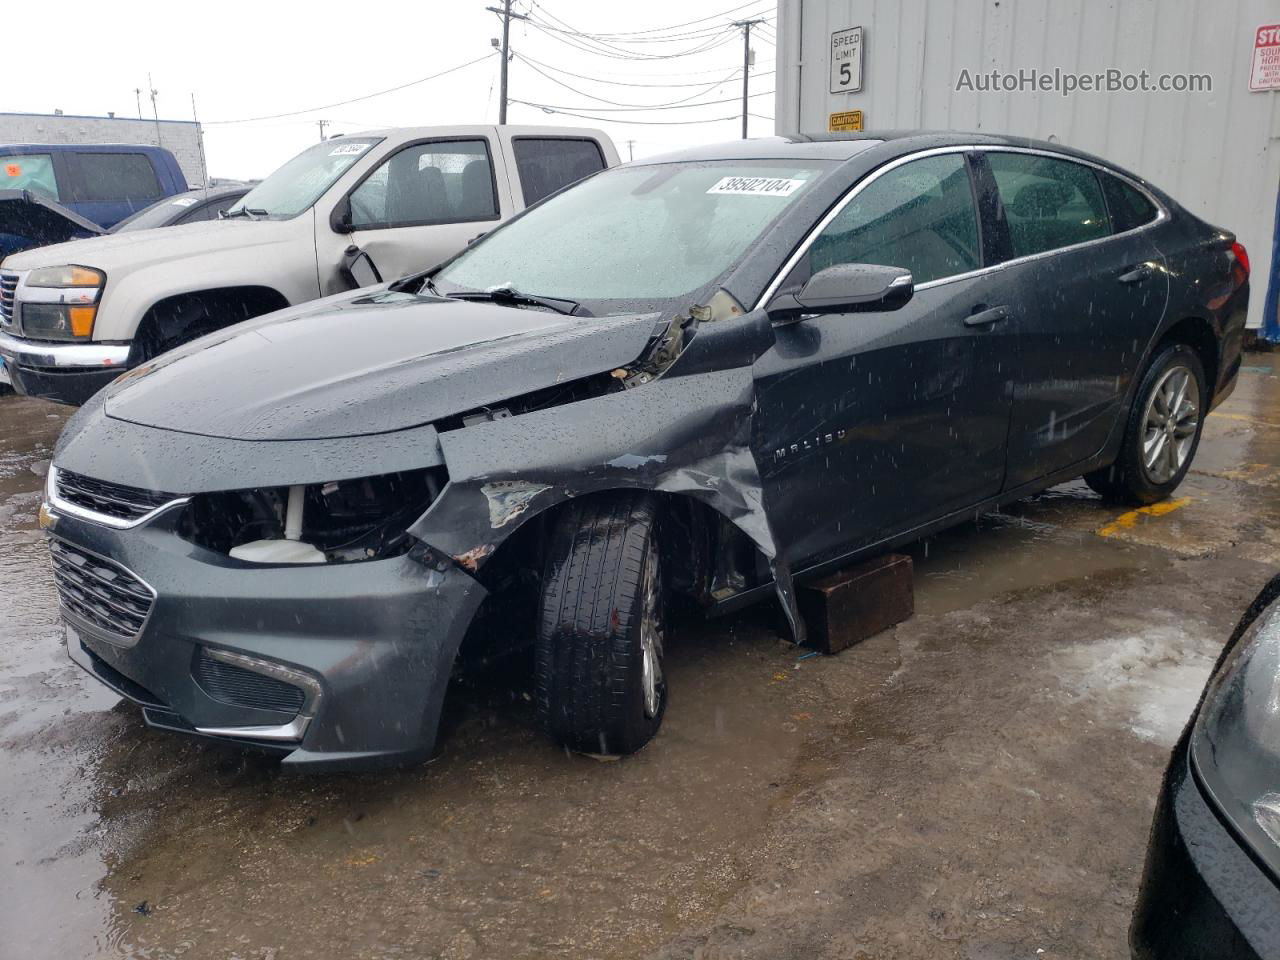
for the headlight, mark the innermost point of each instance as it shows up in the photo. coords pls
(57, 321)
(61, 303)
(1236, 743)
(70, 275)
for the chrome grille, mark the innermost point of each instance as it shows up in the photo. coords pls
(99, 593)
(8, 287)
(109, 499)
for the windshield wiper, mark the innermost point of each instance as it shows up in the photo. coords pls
(253, 213)
(513, 297)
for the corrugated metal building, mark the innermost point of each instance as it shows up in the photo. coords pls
(1217, 151)
(182, 138)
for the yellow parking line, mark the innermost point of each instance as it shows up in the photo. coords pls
(1127, 521)
(1241, 417)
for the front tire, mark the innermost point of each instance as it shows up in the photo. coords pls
(602, 625)
(1162, 432)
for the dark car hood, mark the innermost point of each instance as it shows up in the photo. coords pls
(361, 364)
(29, 220)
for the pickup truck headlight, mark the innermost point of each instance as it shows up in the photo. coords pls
(1235, 746)
(61, 302)
(70, 275)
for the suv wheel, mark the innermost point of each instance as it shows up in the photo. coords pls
(602, 627)
(1162, 431)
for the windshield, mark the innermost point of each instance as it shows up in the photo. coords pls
(300, 182)
(636, 233)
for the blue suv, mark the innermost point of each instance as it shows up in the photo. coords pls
(55, 192)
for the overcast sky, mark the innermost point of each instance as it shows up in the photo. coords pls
(245, 60)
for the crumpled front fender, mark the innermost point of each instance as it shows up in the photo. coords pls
(687, 435)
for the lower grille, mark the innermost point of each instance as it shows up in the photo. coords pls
(109, 499)
(245, 688)
(101, 593)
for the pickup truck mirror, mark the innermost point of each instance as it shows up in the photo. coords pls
(340, 218)
(358, 268)
(845, 288)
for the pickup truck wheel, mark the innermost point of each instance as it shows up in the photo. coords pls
(1162, 431)
(602, 627)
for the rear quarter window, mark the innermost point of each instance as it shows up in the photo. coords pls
(116, 177)
(1129, 208)
(546, 164)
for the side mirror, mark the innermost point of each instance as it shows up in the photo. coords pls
(845, 288)
(358, 268)
(340, 218)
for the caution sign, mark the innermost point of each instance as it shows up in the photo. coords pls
(850, 121)
(1265, 72)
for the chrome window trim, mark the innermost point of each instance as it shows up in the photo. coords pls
(295, 728)
(1162, 214)
(78, 622)
(57, 505)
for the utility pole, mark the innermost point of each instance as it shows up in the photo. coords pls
(323, 124)
(746, 26)
(137, 95)
(631, 149)
(155, 111)
(506, 15)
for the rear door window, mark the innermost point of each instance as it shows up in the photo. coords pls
(1129, 208)
(439, 182)
(920, 216)
(546, 164)
(1049, 203)
(31, 171)
(116, 177)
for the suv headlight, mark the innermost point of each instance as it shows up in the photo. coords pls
(1235, 746)
(61, 303)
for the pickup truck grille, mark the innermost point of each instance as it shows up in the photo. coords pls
(8, 287)
(100, 594)
(110, 499)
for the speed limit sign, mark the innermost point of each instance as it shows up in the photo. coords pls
(846, 60)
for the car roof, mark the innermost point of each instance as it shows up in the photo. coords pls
(847, 146)
(474, 129)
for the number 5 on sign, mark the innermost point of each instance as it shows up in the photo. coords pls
(846, 60)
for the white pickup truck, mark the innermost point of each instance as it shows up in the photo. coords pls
(346, 212)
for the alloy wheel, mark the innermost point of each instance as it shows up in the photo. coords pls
(1170, 423)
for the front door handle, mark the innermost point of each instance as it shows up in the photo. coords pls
(986, 317)
(1135, 274)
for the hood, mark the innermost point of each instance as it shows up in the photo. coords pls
(30, 219)
(134, 248)
(360, 364)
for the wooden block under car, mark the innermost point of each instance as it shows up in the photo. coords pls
(853, 604)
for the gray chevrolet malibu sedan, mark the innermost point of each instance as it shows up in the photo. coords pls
(686, 382)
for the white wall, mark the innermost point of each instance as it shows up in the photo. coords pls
(1215, 152)
(180, 137)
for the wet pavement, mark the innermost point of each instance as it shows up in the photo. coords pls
(975, 783)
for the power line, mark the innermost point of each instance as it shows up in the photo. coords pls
(675, 26)
(584, 43)
(703, 88)
(685, 106)
(343, 103)
(646, 123)
(624, 83)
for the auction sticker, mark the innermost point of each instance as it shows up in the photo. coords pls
(757, 186)
(184, 201)
(348, 149)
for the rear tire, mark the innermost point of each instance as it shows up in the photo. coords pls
(1162, 432)
(601, 627)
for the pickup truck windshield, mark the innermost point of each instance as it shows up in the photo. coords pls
(635, 233)
(300, 182)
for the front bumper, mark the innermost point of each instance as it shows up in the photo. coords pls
(1202, 896)
(63, 372)
(376, 640)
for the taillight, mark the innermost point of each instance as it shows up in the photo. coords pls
(1242, 258)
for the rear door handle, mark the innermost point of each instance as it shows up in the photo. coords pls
(1135, 274)
(983, 318)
